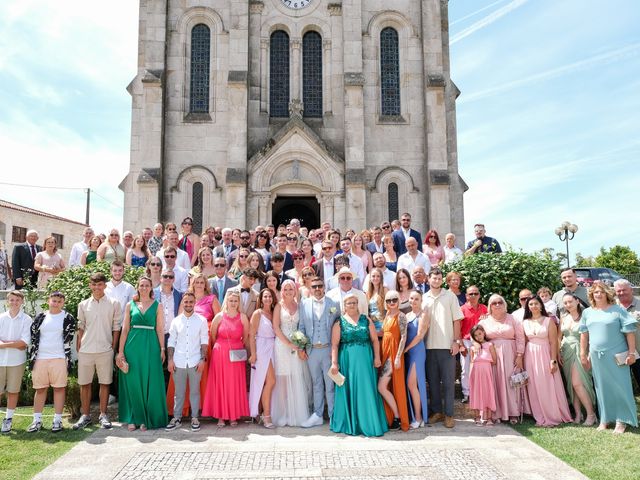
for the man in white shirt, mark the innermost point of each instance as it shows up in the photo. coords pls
(182, 258)
(117, 288)
(187, 354)
(355, 262)
(99, 323)
(443, 343)
(451, 252)
(413, 257)
(388, 276)
(15, 338)
(523, 297)
(345, 281)
(80, 247)
(181, 275)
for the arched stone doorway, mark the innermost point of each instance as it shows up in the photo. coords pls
(305, 209)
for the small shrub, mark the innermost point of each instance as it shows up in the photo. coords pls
(508, 273)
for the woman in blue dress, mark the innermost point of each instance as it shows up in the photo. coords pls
(390, 255)
(416, 359)
(607, 329)
(138, 254)
(355, 353)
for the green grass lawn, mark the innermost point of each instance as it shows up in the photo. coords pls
(598, 455)
(23, 454)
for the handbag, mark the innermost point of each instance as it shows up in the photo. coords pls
(239, 355)
(123, 365)
(621, 358)
(519, 378)
(338, 378)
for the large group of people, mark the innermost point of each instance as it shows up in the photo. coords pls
(292, 326)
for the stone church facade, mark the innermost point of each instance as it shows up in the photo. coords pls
(250, 112)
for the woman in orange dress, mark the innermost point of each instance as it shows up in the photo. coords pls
(391, 385)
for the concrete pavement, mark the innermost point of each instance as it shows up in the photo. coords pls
(252, 452)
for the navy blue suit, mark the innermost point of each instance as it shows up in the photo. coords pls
(399, 240)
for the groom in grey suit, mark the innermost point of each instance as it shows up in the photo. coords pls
(317, 316)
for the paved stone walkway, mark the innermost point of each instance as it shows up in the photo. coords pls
(252, 452)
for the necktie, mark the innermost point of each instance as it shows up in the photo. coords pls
(220, 289)
(226, 250)
(33, 252)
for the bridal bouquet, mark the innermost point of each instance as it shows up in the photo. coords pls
(299, 339)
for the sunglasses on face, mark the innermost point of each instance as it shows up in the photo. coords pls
(243, 256)
(168, 276)
(155, 264)
(391, 300)
(326, 248)
(317, 287)
(245, 238)
(345, 278)
(187, 223)
(499, 302)
(350, 303)
(473, 294)
(219, 265)
(169, 256)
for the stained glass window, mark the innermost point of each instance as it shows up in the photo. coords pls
(312, 74)
(389, 72)
(196, 202)
(392, 193)
(200, 68)
(279, 81)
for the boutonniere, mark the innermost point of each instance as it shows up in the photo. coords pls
(333, 309)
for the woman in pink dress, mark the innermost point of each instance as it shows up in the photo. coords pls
(507, 337)
(226, 396)
(481, 381)
(546, 399)
(261, 340)
(48, 262)
(359, 249)
(433, 249)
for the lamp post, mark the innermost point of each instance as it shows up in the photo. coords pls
(566, 232)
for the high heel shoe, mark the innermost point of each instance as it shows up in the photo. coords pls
(620, 428)
(590, 420)
(266, 421)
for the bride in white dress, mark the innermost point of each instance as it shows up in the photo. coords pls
(292, 394)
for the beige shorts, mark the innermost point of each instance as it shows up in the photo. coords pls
(49, 372)
(11, 378)
(90, 363)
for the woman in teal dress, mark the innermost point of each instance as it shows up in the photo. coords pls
(357, 407)
(141, 389)
(578, 381)
(606, 330)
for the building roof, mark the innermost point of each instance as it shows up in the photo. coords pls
(32, 211)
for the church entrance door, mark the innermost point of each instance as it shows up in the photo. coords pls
(305, 209)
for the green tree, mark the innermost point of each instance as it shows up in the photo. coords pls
(620, 258)
(582, 261)
(74, 283)
(508, 273)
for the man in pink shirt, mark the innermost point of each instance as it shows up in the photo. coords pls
(472, 311)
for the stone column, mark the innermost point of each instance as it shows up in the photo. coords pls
(263, 205)
(264, 74)
(237, 89)
(296, 69)
(255, 51)
(327, 94)
(435, 118)
(356, 213)
(336, 77)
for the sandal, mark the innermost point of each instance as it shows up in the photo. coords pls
(131, 427)
(233, 423)
(488, 423)
(590, 420)
(266, 421)
(221, 424)
(513, 420)
(620, 428)
(143, 428)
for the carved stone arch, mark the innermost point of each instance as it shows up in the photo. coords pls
(390, 18)
(182, 194)
(294, 166)
(196, 173)
(272, 25)
(408, 194)
(316, 25)
(195, 15)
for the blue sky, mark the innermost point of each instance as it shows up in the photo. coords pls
(547, 120)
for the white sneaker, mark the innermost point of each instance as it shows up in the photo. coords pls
(313, 421)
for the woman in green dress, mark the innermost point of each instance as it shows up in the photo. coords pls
(578, 381)
(607, 330)
(355, 352)
(91, 255)
(141, 389)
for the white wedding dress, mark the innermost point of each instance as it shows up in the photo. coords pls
(291, 400)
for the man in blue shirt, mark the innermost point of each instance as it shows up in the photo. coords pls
(482, 243)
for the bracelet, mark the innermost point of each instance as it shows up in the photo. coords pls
(554, 362)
